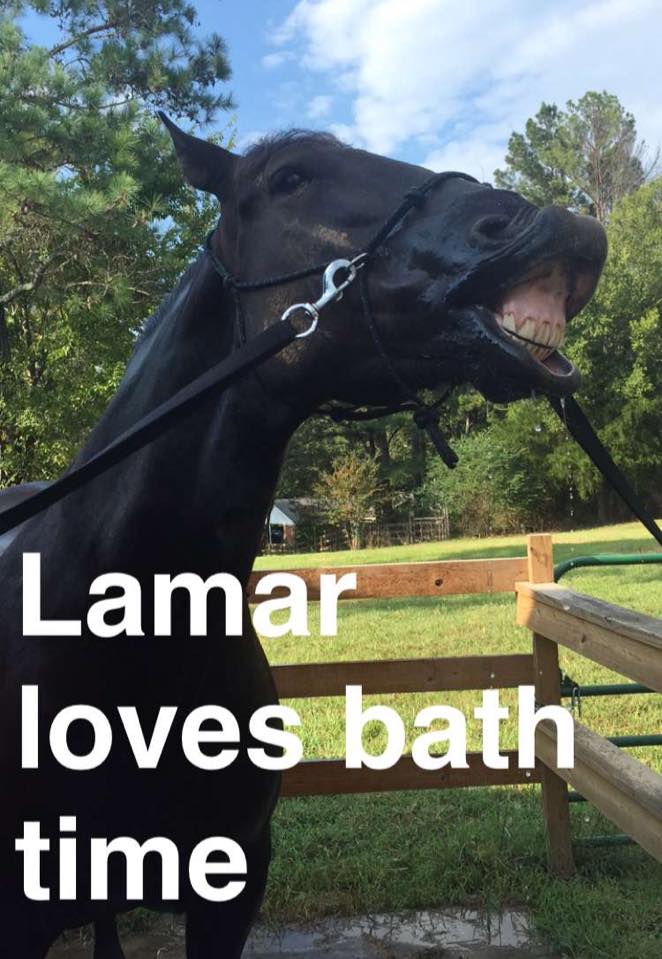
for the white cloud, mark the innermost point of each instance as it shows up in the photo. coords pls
(478, 153)
(320, 106)
(273, 60)
(449, 81)
(344, 132)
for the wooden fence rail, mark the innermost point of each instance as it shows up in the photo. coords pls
(330, 776)
(623, 789)
(307, 680)
(408, 580)
(627, 642)
(432, 674)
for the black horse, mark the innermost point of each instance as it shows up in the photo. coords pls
(474, 285)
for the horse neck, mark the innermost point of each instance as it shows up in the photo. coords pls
(196, 498)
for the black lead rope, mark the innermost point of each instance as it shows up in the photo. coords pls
(571, 413)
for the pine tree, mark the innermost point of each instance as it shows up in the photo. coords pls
(95, 222)
(586, 158)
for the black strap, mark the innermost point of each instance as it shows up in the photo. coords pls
(233, 283)
(583, 433)
(413, 199)
(274, 339)
(426, 416)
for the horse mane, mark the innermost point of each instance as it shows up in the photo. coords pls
(149, 325)
(258, 154)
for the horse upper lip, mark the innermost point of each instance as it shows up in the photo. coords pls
(553, 235)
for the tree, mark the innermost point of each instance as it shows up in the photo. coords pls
(492, 489)
(349, 492)
(145, 51)
(617, 343)
(394, 442)
(586, 158)
(95, 223)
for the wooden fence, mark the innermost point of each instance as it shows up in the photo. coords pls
(625, 790)
(324, 538)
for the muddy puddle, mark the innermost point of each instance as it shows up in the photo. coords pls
(451, 934)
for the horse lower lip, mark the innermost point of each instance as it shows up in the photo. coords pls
(549, 357)
(557, 364)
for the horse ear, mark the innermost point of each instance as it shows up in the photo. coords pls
(205, 166)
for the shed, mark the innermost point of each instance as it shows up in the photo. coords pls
(283, 519)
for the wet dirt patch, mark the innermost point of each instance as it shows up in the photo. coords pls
(447, 934)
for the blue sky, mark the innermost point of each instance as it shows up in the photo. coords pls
(437, 82)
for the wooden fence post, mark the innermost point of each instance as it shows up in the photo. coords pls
(556, 810)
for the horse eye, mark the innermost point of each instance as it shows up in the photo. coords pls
(288, 181)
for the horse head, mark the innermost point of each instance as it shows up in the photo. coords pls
(473, 284)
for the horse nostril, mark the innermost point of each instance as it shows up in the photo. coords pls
(489, 228)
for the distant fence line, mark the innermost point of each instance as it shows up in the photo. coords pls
(321, 539)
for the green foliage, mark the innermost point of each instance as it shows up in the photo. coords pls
(617, 340)
(146, 50)
(492, 489)
(394, 442)
(95, 223)
(586, 158)
(535, 161)
(349, 492)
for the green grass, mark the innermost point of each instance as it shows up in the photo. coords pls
(481, 847)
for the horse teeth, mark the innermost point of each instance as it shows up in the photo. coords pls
(508, 322)
(531, 330)
(539, 338)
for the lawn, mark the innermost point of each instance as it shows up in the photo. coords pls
(424, 849)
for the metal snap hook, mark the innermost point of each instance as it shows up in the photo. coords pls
(331, 291)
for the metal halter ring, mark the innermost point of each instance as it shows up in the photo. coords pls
(308, 308)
